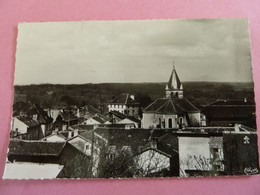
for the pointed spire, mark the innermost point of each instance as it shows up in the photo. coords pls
(174, 85)
(174, 81)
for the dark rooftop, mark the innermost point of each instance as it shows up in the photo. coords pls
(117, 114)
(35, 148)
(233, 102)
(124, 99)
(29, 121)
(68, 116)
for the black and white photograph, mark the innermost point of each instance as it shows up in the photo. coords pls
(133, 99)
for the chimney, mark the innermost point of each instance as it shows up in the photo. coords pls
(245, 100)
(35, 116)
(76, 132)
(132, 97)
(78, 114)
(237, 126)
(69, 134)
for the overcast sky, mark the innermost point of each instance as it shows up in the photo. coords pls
(133, 51)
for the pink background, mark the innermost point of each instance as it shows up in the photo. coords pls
(14, 11)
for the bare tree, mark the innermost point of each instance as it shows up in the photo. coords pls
(200, 163)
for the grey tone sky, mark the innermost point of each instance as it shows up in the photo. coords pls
(133, 51)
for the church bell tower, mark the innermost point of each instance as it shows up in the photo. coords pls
(174, 87)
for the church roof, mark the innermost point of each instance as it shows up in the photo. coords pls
(174, 81)
(171, 106)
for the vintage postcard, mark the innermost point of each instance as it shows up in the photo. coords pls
(128, 99)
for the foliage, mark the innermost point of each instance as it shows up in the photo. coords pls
(199, 93)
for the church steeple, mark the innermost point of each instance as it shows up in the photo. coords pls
(174, 87)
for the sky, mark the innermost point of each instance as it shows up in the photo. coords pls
(216, 50)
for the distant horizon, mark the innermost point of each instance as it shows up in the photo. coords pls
(249, 82)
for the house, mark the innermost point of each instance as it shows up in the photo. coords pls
(125, 104)
(88, 111)
(130, 122)
(132, 144)
(229, 112)
(135, 140)
(75, 163)
(26, 128)
(42, 118)
(201, 154)
(65, 119)
(212, 151)
(173, 111)
(115, 116)
(94, 121)
(82, 144)
(91, 144)
(30, 122)
(192, 151)
(152, 162)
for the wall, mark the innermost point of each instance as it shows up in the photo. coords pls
(17, 124)
(240, 153)
(190, 147)
(147, 120)
(194, 118)
(174, 121)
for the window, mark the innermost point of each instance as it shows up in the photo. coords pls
(170, 123)
(159, 123)
(87, 147)
(181, 123)
(215, 153)
(112, 156)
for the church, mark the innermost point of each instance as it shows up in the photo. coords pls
(172, 111)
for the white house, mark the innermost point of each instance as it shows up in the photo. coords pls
(126, 104)
(19, 126)
(130, 121)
